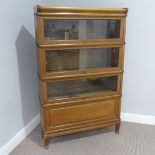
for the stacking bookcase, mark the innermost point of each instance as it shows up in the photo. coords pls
(80, 65)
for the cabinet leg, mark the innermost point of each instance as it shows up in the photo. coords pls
(45, 141)
(117, 127)
(42, 135)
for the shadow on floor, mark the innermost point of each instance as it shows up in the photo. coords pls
(36, 137)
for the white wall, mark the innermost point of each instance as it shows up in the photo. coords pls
(18, 78)
(139, 77)
(18, 69)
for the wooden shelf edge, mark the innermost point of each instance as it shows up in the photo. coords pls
(79, 100)
(80, 75)
(82, 44)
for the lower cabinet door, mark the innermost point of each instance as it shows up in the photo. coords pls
(83, 114)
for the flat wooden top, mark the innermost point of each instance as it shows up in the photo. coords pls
(50, 10)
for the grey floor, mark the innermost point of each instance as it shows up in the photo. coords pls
(134, 139)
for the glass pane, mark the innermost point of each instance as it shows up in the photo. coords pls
(81, 29)
(80, 59)
(81, 87)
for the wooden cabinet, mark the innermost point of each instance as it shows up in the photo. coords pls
(80, 63)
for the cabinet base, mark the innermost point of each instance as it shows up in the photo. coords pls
(51, 134)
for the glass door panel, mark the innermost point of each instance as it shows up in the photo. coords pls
(81, 29)
(76, 88)
(81, 59)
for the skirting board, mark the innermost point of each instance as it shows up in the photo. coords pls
(9, 146)
(13, 142)
(136, 118)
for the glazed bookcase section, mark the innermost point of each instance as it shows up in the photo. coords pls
(67, 60)
(78, 26)
(80, 88)
(70, 62)
(81, 29)
(76, 88)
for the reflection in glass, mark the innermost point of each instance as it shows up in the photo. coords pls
(75, 88)
(81, 29)
(80, 59)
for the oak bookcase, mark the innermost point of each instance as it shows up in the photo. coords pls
(80, 63)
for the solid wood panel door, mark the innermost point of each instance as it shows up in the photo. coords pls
(81, 114)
